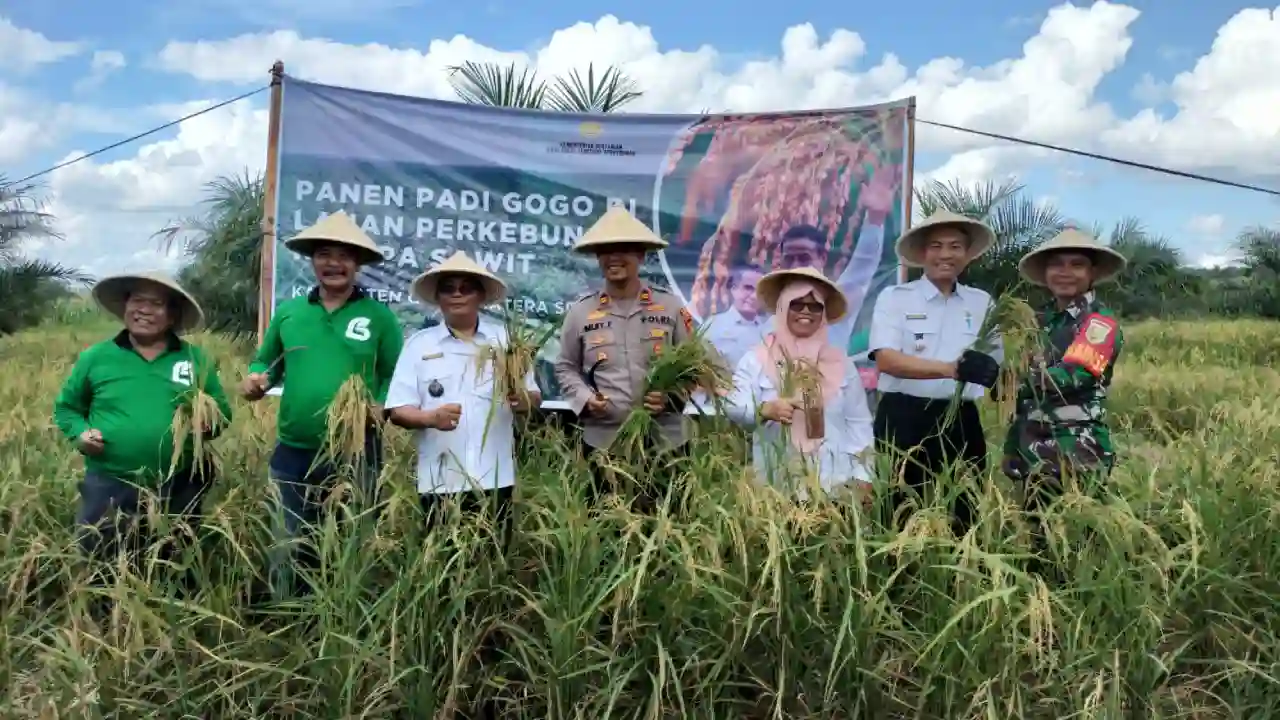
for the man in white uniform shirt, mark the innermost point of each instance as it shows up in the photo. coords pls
(922, 333)
(443, 391)
(743, 325)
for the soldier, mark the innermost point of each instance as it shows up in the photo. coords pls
(1060, 426)
(117, 408)
(314, 343)
(607, 338)
(922, 333)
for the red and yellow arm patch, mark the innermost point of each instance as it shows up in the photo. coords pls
(687, 318)
(1095, 344)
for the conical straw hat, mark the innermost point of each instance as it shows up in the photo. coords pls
(112, 292)
(771, 286)
(618, 227)
(1107, 263)
(425, 285)
(336, 228)
(910, 245)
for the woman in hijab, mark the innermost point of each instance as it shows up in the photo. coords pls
(802, 395)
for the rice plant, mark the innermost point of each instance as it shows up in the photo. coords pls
(1163, 600)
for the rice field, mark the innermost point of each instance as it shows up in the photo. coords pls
(1165, 601)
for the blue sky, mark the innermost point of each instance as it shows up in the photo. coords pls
(1209, 121)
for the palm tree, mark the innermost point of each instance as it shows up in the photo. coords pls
(512, 86)
(1260, 248)
(1019, 222)
(225, 246)
(29, 288)
(1154, 282)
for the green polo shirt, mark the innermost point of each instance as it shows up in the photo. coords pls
(131, 401)
(317, 351)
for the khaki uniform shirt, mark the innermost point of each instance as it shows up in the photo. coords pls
(618, 343)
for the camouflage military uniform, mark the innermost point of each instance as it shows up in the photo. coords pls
(1060, 422)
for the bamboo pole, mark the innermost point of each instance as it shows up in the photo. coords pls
(266, 275)
(908, 184)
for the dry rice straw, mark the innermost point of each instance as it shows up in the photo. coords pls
(347, 424)
(196, 415)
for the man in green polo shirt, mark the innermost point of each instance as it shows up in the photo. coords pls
(117, 407)
(313, 345)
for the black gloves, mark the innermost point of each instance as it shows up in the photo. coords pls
(977, 368)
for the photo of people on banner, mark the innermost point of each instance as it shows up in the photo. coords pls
(769, 193)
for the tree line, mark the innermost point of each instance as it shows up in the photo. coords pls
(223, 242)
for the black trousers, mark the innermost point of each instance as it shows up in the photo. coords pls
(911, 430)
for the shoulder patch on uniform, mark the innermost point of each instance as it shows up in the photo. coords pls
(1094, 346)
(687, 318)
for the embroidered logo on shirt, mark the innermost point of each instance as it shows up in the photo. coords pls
(182, 373)
(358, 329)
(435, 389)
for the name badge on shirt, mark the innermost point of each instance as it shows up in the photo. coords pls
(433, 356)
(917, 316)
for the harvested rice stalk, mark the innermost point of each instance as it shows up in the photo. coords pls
(801, 381)
(347, 424)
(1012, 319)
(513, 362)
(675, 371)
(196, 417)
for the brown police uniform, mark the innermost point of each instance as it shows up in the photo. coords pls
(617, 339)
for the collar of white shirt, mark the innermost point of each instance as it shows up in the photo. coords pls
(931, 291)
(486, 330)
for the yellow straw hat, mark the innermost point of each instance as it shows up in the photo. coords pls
(617, 227)
(1107, 263)
(112, 292)
(425, 285)
(910, 245)
(336, 228)
(771, 286)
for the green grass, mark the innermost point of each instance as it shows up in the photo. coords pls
(749, 607)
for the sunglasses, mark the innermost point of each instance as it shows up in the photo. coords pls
(458, 288)
(810, 306)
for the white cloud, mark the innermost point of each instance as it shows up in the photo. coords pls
(1211, 261)
(1226, 118)
(22, 50)
(1047, 92)
(103, 64)
(1150, 91)
(1208, 226)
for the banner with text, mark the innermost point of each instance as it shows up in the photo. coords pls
(734, 195)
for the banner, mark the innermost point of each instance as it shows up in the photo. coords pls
(734, 195)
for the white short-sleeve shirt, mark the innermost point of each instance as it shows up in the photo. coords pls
(480, 453)
(915, 318)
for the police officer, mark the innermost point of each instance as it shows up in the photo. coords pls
(921, 335)
(1060, 423)
(609, 336)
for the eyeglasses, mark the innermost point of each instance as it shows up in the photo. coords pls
(810, 306)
